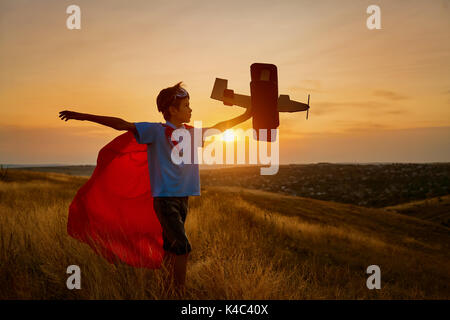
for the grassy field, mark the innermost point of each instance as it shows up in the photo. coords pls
(434, 209)
(247, 244)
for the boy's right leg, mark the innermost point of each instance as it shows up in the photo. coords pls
(180, 270)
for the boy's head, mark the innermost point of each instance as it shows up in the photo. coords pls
(173, 103)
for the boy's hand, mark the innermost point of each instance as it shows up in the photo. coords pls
(115, 123)
(67, 115)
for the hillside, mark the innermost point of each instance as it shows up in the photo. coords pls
(369, 185)
(434, 209)
(247, 244)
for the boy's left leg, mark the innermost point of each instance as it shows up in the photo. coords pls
(168, 263)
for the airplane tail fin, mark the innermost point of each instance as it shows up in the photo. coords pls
(219, 87)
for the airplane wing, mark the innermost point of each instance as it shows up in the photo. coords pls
(285, 104)
(222, 93)
(228, 97)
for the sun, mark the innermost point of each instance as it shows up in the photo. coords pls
(228, 135)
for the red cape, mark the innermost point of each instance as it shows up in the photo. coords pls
(113, 211)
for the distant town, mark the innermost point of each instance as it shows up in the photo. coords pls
(370, 185)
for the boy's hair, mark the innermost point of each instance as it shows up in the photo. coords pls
(170, 97)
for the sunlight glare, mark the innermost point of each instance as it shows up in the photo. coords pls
(228, 135)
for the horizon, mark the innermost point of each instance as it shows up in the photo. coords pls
(204, 166)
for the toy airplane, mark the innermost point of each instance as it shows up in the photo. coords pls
(284, 103)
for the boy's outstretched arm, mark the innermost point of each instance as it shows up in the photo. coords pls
(115, 123)
(228, 124)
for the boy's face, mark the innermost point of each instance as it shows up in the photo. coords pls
(183, 113)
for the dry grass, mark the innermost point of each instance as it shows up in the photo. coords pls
(435, 209)
(247, 244)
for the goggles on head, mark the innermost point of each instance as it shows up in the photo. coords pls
(181, 93)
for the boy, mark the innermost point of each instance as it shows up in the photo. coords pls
(171, 184)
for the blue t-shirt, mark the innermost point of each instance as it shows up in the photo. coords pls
(168, 179)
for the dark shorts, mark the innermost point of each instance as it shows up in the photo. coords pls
(172, 212)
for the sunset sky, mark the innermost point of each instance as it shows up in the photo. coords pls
(376, 95)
